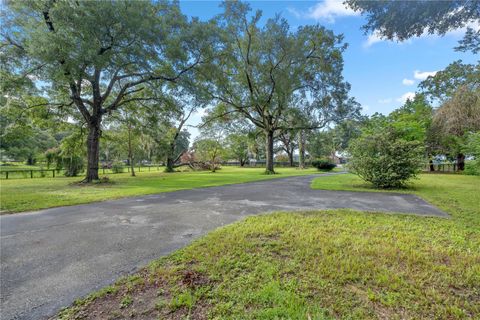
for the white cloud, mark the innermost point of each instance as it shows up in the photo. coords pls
(297, 14)
(372, 39)
(408, 82)
(406, 96)
(328, 10)
(423, 75)
(385, 101)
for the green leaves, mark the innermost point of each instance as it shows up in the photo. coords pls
(413, 119)
(238, 144)
(261, 72)
(445, 82)
(391, 20)
(210, 151)
(385, 159)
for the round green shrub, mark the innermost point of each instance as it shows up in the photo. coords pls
(73, 166)
(118, 167)
(323, 165)
(472, 167)
(385, 159)
(472, 148)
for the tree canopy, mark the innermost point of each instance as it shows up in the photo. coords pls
(446, 82)
(400, 20)
(93, 63)
(260, 72)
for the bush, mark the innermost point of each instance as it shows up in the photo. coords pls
(472, 148)
(385, 159)
(323, 165)
(52, 155)
(118, 167)
(73, 166)
(472, 167)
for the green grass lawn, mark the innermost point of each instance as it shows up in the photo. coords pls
(31, 194)
(450, 192)
(331, 264)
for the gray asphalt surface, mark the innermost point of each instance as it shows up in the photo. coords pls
(51, 257)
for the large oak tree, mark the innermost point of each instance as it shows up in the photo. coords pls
(261, 72)
(93, 56)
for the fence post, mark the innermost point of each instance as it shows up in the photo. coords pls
(148, 168)
(31, 174)
(53, 171)
(6, 175)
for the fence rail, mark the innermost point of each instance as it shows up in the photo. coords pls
(440, 167)
(52, 173)
(261, 164)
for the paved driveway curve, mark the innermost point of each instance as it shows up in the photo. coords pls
(50, 257)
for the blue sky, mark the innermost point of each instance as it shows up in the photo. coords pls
(382, 73)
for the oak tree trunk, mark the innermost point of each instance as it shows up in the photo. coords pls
(132, 167)
(460, 162)
(30, 160)
(170, 164)
(213, 162)
(170, 160)
(290, 158)
(301, 151)
(269, 152)
(130, 152)
(93, 150)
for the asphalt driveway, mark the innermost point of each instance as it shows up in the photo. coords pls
(51, 257)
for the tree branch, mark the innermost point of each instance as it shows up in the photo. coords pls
(123, 90)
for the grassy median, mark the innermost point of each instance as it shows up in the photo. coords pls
(39, 193)
(331, 264)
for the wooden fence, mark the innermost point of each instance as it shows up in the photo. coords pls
(440, 167)
(262, 163)
(52, 173)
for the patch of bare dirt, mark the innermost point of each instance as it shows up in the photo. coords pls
(147, 299)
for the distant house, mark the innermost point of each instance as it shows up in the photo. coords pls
(340, 157)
